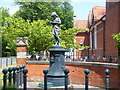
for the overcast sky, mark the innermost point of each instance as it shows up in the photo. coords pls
(81, 7)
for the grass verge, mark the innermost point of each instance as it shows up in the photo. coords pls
(1, 74)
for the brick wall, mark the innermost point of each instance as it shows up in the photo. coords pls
(96, 76)
(111, 25)
(84, 36)
(21, 55)
(105, 41)
(21, 49)
(100, 41)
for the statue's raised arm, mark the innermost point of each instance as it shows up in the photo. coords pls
(56, 28)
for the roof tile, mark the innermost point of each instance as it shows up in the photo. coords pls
(98, 12)
(81, 24)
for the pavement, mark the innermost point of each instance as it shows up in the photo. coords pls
(34, 86)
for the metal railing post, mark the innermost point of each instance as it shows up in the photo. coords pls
(23, 66)
(0, 62)
(10, 75)
(25, 71)
(66, 71)
(6, 61)
(107, 72)
(86, 71)
(11, 61)
(17, 76)
(110, 59)
(45, 71)
(21, 78)
(4, 71)
(14, 75)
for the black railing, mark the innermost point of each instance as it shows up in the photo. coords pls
(40, 56)
(66, 71)
(80, 57)
(97, 57)
(86, 71)
(107, 72)
(45, 71)
(15, 76)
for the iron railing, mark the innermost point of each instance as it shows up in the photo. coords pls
(86, 71)
(15, 78)
(81, 57)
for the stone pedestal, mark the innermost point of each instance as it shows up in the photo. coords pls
(22, 43)
(57, 65)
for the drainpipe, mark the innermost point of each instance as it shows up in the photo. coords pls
(104, 34)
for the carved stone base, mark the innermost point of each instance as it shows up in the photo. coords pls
(57, 66)
(57, 81)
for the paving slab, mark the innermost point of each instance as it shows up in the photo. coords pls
(34, 86)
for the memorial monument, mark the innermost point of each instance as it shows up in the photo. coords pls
(56, 74)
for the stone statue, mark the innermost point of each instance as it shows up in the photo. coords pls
(56, 28)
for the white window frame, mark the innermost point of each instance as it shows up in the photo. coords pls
(95, 37)
(90, 39)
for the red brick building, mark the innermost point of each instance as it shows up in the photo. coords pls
(82, 38)
(96, 24)
(103, 22)
(112, 26)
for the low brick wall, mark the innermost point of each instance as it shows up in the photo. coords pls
(76, 75)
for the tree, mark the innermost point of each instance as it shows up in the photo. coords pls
(39, 34)
(3, 13)
(66, 15)
(43, 10)
(3, 43)
(117, 39)
(68, 36)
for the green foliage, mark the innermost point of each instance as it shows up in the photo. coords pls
(68, 36)
(11, 87)
(43, 10)
(117, 38)
(118, 66)
(66, 15)
(3, 13)
(32, 21)
(39, 34)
